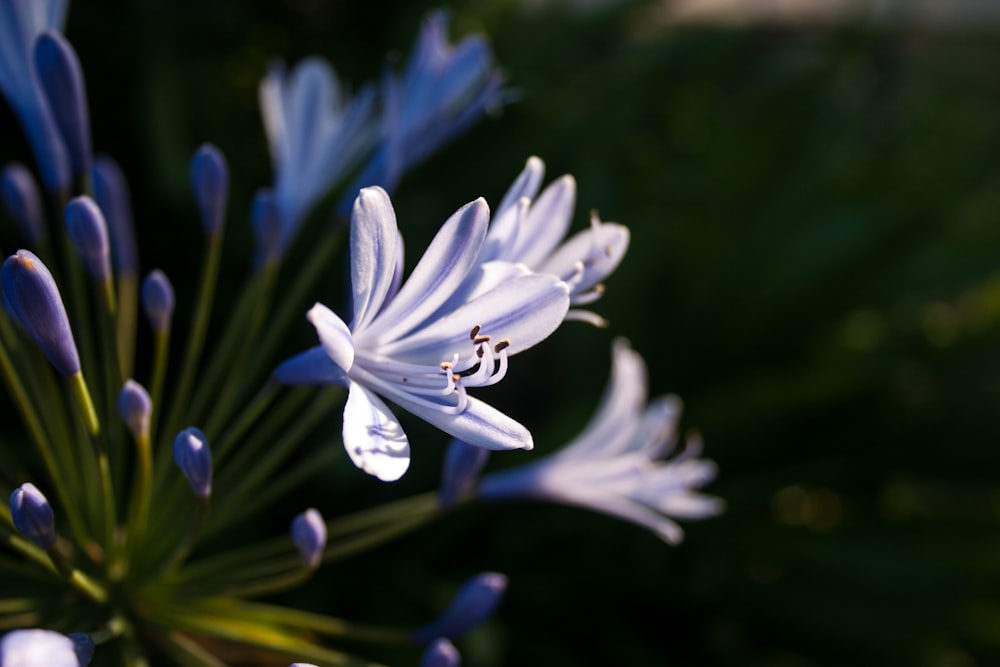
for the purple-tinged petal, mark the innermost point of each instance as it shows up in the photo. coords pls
(333, 335)
(546, 223)
(61, 77)
(462, 465)
(480, 424)
(443, 267)
(600, 249)
(441, 653)
(525, 185)
(524, 310)
(37, 648)
(373, 253)
(312, 367)
(373, 437)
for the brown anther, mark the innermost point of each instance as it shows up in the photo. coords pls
(502, 345)
(599, 288)
(480, 339)
(474, 332)
(446, 365)
(479, 352)
(456, 377)
(406, 379)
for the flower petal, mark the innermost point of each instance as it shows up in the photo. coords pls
(373, 253)
(443, 267)
(525, 185)
(524, 310)
(373, 437)
(600, 248)
(546, 223)
(312, 367)
(480, 424)
(334, 335)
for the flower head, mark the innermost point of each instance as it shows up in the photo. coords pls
(317, 134)
(33, 515)
(21, 22)
(616, 465)
(32, 298)
(419, 346)
(37, 648)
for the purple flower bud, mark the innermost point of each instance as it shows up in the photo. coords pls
(32, 298)
(89, 233)
(158, 300)
(194, 458)
(472, 605)
(23, 202)
(210, 180)
(37, 648)
(84, 647)
(111, 193)
(462, 464)
(33, 516)
(135, 407)
(61, 77)
(441, 653)
(309, 535)
(266, 223)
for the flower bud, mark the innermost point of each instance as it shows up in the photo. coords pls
(462, 464)
(441, 653)
(210, 180)
(61, 76)
(111, 194)
(23, 202)
(194, 458)
(33, 516)
(309, 535)
(266, 223)
(158, 300)
(35, 648)
(89, 233)
(135, 407)
(472, 605)
(84, 647)
(32, 298)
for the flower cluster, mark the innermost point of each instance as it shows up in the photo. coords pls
(139, 462)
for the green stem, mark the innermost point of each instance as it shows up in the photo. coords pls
(128, 300)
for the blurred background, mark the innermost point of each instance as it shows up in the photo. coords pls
(813, 191)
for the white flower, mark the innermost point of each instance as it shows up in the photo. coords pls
(423, 344)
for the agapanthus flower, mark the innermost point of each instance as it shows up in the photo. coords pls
(21, 22)
(317, 134)
(37, 648)
(616, 465)
(416, 344)
(443, 90)
(529, 229)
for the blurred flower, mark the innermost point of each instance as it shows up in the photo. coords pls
(61, 77)
(89, 233)
(615, 466)
(135, 407)
(474, 603)
(84, 647)
(210, 182)
(158, 300)
(21, 22)
(33, 516)
(37, 648)
(309, 536)
(416, 346)
(23, 202)
(194, 457)
(317, 135)
(32, 298)
(441, 653)
(112, 195)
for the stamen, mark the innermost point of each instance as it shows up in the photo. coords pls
(480, 339)
(502, 345)
(474, 332)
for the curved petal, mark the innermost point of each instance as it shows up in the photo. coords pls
(546, 223)
(373, 437)
(480, 424)
(441, 270)
(600, 248)
(524, 310)
(312, 367)
(334, 335)
(525, 185)
(373, 253)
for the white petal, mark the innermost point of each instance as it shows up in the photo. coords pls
(373, 437)
(333, 335)
(443, 267)
(601, 248)
(524, 310)
(373, 253)
(480, 424)
(617, 416)
(547, 222)
(525, 185)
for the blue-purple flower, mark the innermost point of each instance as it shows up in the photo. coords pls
(421, 344)
(317, 135)
(616, 465)
(21, 22)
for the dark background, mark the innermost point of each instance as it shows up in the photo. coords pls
(815, 269)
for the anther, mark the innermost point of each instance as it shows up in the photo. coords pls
(479, 352)
(474, 332)
(502, 345)
(446, 365)
(480, 339)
